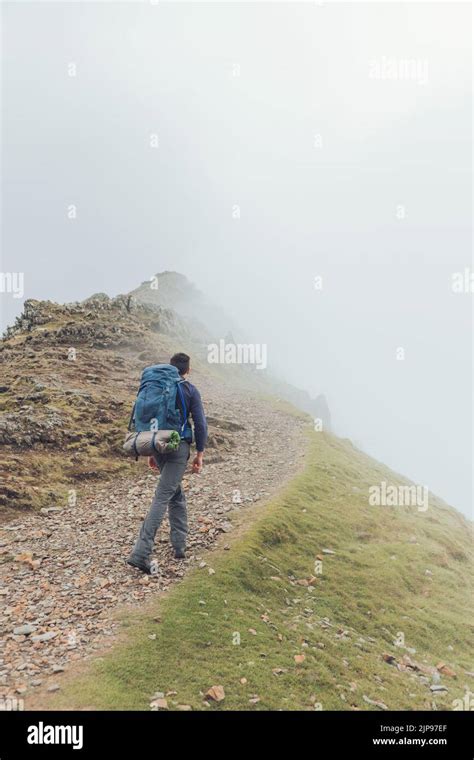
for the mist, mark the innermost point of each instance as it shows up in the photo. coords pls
(308, 166)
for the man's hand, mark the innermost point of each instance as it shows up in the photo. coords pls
(152, 464)
(197, 463)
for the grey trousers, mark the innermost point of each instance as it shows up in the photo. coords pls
(168, 492)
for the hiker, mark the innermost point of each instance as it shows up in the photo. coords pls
(171, 466)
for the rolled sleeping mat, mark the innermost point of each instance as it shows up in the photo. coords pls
(149, 442)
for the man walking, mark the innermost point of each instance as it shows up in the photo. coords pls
(169, 492)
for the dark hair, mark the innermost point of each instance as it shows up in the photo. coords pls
(181, 362)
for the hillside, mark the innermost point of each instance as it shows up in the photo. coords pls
(296, 592)
(69, 376)
(380, 625)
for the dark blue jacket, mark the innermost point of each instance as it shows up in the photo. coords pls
(194, 409)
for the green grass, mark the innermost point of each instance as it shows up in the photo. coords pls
(374, 587)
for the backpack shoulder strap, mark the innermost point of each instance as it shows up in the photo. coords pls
(183, 403)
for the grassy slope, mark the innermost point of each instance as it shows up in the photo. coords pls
(375, 586)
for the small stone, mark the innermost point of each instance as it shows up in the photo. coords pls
(44, 636)
(24, 630)
(445, 670)
(216, 693)
(54, 687)
(380, 705)
(159, 704)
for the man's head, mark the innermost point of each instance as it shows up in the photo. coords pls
(181, 362)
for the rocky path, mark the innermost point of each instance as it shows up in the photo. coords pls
(63, 575)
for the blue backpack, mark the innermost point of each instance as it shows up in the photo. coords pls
(156, 406)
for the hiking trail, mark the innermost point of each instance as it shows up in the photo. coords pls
(67, 575)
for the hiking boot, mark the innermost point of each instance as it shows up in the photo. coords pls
(147, 567)
(180, 553)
